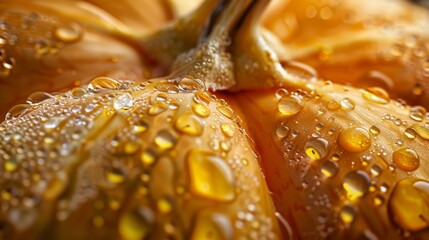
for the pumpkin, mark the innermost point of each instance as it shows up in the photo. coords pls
(263, 119)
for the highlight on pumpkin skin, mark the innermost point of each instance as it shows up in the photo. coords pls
(342, 162)
(131, 160)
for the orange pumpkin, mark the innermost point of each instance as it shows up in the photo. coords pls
(228, 120)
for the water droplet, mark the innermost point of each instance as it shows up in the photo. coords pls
(290, 105)
(201, 109)
(355, 139)
(69, 33)
(157, 108)
(9, 63)
(148, 157)
(410, 133)
(188, 123)
(17, 110)
(190, 85)
(165, 140)
(78, 92)
(333, 105)
(378, 200)
(347, 104)
(228, 129)
(282, 131)
(164, 205)
(52, 123)
(316, 148)
(356, 184)
(226, 111)
(211, 225)
(376, 95)
(202, 97)
(329, 168)
(376, 170)
(417, 113)
(104, 83)
(136, 223)
(38, 97)
(10, 165)
(123, 102)
(409, 204)
(115, 175)
(348, 214)
(422, 131)
(374, 130)
(281, 92)
(210, 176)
(406, 159)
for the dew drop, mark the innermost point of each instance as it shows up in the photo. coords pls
(348, 214)
(356, 184)
(78, 92)
(406, 159)
(417, 113)
(188, 123)
(410, 133)
(422, 131)
(347, 103)
(281, 92)
(17, 110)
(136, 223)
(165, 140)
(210, 176)
(201, 109)
(104, 83)
(123, 102)
(115, 176)
(300, 71)
(355, 139)
(376, 170)
(191, 85)
(228, 129)
(282, 131)
(409, 204)
(69, 33)
(226, 111)
(333, 105)
(376, 95)
(148, 157)
(157, 108)
(211, 225)
(374, 130)
(38, 97)
(329, 168)
(164, 205)
(316, 148)
(290, 105)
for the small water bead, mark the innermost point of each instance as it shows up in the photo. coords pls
(356, 184)
(281, 92)
(422, 131)
(104, 83)
(123, 102)
(191, 85)
(418, 90)
(164, 205)
(333, 105)
(38, 97)
(202, 97)
(282, 131)
(136, 223)
(290, 105)
(347, 103)
(17, 111)
(410, 133)
(10, 165)
(115, 176)
(210, 176)
(211, 225)
(378, 200)
(348, 214)
(417, 113)
(329, 168)
(406, 159)
(226, 111)
(9, 63)
(374, 130)
(164, 140)
(201, 109)
(355, 139)
(140, 126)
(69, 33)
(188, 123)
(228, 129)
(376, 95)
(52, 123)
(409, 204)
(157, 108)
(316, 148)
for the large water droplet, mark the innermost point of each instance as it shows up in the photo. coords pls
(422, 131)
(355, 139)
(348, 214)
(215, 226)
(409, 204)
(347, 104)
(136, 223)
(188, 123)
(17, 111)
(165, 140)
(210, 176)
(406, 159)
(356, 184)
(190, 85)
(376, 95)
(104, 83)
(329, 168)
(38, 97)
(316, 148)
(290, 105)
(201, 109)
(69, 33)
